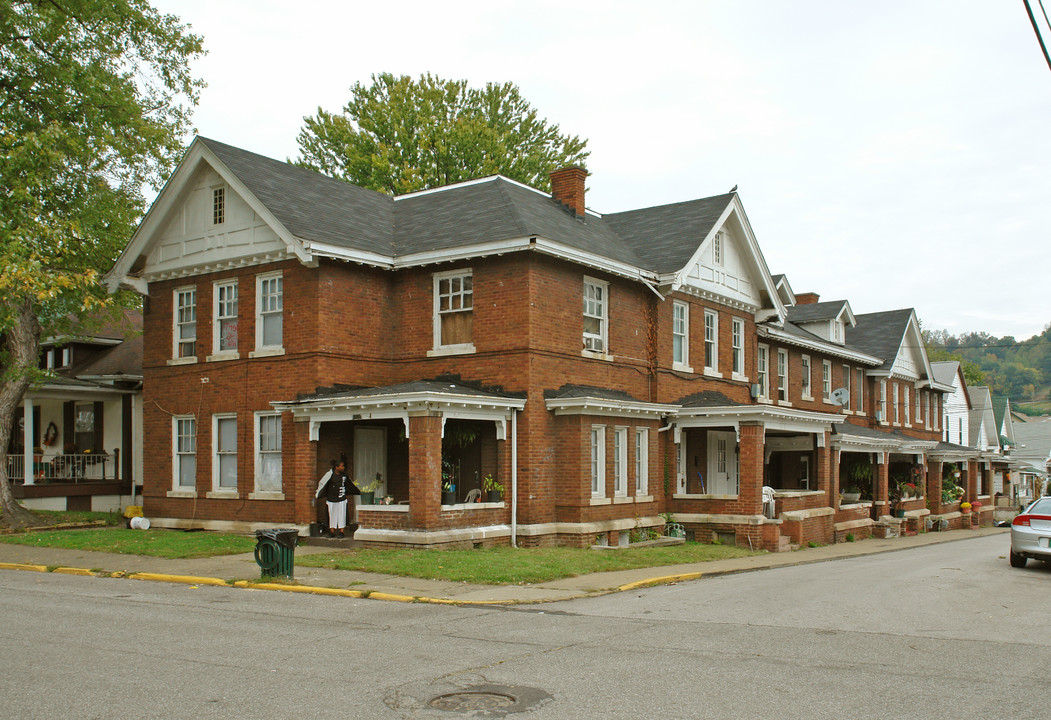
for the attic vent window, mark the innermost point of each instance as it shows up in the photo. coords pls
(717, 250)
(218, 206)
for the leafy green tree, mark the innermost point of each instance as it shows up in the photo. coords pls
(94, 98)
(399, 135)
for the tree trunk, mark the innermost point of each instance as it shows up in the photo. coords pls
(22, 344)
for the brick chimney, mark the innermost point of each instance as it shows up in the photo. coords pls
(807, 298)
(567, 187)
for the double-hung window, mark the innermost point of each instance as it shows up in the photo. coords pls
(680, 335)
(185, 453)
(270, 310)
(598, 461)
(826, 380)
(762, 372)
(224, 443)
(620, 462)
(737, 343)
(919, 409)
(596, 315)
(861, 391)
(846, 385)
(268, 453)
(454, 310)
(782, 375)
(642, 461)
(907, 404)
(883, 401)
(711, 340)
(186, 322)
(224, 329)
(804, 377)
(894, 402)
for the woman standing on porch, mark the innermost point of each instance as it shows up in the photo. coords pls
(337, 487)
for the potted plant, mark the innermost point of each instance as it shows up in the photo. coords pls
(851, 494)
(965, 507)
(493, 489)
(448, 492)
(368, 491)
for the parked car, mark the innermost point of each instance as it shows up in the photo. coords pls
(1031, 533)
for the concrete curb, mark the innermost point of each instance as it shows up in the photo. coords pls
(746, 565)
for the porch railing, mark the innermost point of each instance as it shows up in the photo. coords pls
(66, 468)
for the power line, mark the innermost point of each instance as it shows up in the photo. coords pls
(1032, 19)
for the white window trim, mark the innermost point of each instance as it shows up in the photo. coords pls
(737, 333)
(907, 404)
(67, 356)
(217, 491)
(682, 364)
(762, 372)
(178, 490)
(806, 369)
(262, 350)
(603, 335)
(782, 363)
(883, 420)
(257, 453)
(597, 456)
(218, 205)
(860, 410)
(438, 348)
(894, 404)
(620, 462)
(218, 354)
(711, 370)
(826, 382)
(642, 462)
(175, 359)
(848, 406)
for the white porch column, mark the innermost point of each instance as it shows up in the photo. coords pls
(27, 439)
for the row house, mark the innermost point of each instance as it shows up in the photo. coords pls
(604, 369)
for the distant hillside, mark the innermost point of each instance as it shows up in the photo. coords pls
(1021, 370)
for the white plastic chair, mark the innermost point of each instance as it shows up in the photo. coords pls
(473, 495)
(769, 507)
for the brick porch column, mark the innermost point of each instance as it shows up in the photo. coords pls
(972, 481)
(425, 472)
(835, 458)
(301, 465)
(750, 467)
(933, 491)
(881, 495)
(824, 468)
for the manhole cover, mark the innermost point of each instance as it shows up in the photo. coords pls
(470, 701)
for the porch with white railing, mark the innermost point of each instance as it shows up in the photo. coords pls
(66, 468)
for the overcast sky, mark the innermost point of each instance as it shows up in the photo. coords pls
(896, 153)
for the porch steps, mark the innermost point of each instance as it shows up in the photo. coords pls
(785, 544)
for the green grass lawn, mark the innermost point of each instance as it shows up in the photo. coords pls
(510, 566)
(153, 543)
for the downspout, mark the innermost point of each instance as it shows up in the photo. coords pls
(514, 459)
(514, 478)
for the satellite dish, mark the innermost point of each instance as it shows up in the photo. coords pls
(840, 396)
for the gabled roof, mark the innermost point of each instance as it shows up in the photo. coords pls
(945, 371)
(880, 334)
(315, 216)
(816, 312)
(1004, 425)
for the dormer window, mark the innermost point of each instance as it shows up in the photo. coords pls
(218, 206)
(67, 357)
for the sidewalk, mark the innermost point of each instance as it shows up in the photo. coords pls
(242, 571)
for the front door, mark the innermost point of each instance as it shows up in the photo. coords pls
(722, 463)
(370, 457)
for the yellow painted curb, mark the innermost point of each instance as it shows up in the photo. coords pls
(74, 571)
(187, 579)
(23, 566)
(659, 581)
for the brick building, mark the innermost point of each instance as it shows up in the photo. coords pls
(604, 369)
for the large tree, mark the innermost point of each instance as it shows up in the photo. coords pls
(398, 135)
(95, 96)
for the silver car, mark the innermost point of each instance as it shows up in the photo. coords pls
(1031, 533)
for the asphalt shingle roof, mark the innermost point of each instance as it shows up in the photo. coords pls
(317, 208)
(880, 334)
(812, 312)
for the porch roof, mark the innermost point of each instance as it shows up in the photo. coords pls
(713, 409)
(587, 400)
(856, 437)
(953, 452)
(450, 398)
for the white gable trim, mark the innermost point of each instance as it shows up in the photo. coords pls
(753, 257)
(171, 194)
